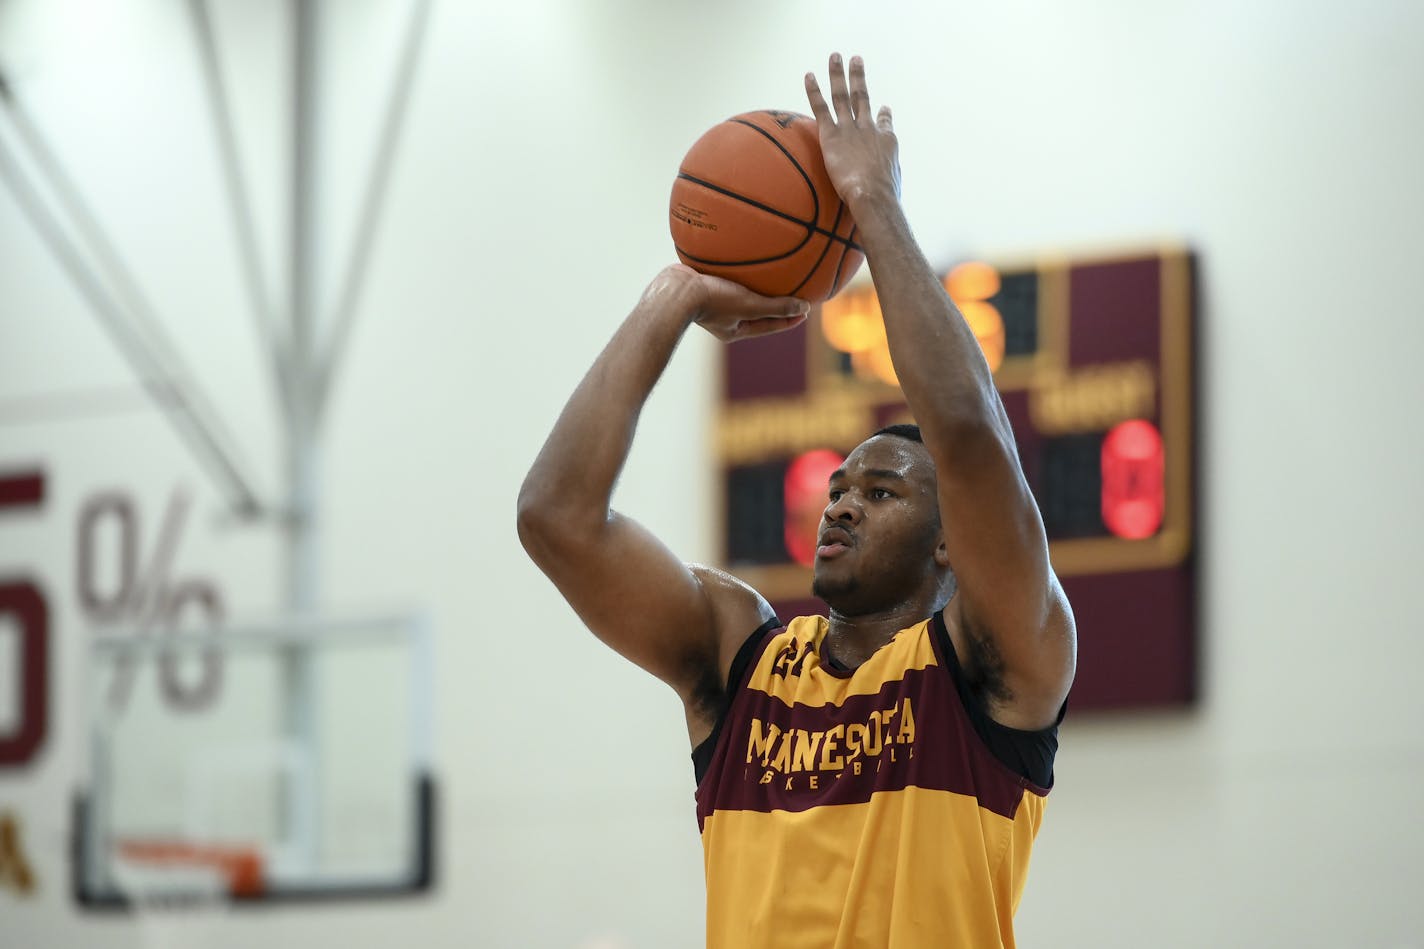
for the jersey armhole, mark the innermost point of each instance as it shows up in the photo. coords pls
(736, 677)
(1028, 754)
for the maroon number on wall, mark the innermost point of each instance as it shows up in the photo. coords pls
(23, 603)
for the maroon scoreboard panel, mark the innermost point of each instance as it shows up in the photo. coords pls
(1093, 357)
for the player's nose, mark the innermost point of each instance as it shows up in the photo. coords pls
(843, 509)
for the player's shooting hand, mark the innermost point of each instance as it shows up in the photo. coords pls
(729, 311)
(860, 150)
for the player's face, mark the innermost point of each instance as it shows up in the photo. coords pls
(879, 532)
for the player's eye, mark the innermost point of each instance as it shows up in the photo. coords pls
(835, 495)
(881, 494)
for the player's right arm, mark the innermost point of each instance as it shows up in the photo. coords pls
(681, 623)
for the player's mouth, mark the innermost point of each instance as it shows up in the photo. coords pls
(834, 541)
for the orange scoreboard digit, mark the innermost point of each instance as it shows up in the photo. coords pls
(1093, 357)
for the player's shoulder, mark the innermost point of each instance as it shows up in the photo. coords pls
(724, 589)
(1058, 619)
(711, 574)
(737, 608)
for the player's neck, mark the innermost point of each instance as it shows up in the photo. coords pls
(853, 639)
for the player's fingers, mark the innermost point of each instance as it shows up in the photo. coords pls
(760, 307)
(859, 93)
(733, 300)
(840, 95)
(789, 308)
(819, 108)
(769, 325)
(883, 120)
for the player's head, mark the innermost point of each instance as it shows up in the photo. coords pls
(880, 542)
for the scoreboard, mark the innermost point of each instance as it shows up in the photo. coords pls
(1093, 357)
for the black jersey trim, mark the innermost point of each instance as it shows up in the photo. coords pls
(736, 678)
(1028, 754)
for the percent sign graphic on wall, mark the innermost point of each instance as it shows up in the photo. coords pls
(145, 596)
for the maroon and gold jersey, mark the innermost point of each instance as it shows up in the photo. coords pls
(863, 807)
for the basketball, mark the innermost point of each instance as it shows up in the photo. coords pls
(753, 203)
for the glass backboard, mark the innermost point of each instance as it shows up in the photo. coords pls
(291, 758)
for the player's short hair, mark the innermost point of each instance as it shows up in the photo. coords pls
(912, 432)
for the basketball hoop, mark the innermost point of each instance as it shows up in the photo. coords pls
(178, 890)
(231, 872)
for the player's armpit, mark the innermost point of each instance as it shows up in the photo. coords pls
(1010, 622)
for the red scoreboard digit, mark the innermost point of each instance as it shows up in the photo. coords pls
(1093, 358)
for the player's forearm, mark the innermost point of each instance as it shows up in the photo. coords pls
(570, 485)
(939, 363)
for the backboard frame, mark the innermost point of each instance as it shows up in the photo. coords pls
(93, 883)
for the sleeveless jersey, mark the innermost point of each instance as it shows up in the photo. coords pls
(861, 807)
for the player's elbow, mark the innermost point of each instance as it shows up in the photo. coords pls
(548, 529)
(536, 521)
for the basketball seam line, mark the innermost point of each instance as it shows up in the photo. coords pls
(840, 213)
(845, 242)
(809, 225)
(840, 264)
(795, 163)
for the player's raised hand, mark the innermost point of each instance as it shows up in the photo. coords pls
(729, 311)
(861, 153)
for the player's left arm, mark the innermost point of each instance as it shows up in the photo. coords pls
(1010, 621)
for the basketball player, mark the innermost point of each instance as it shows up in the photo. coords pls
(876, 778)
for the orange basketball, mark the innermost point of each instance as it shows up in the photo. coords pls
(752, 203)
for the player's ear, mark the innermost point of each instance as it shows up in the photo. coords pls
(941, 554)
